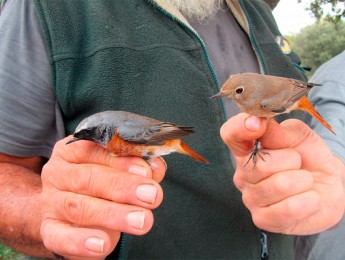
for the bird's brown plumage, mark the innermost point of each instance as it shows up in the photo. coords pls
(267, 96)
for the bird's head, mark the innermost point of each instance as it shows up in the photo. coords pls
(93, 129)
(233, 88)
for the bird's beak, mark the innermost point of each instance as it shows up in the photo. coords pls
(73, 140)
(219, 95)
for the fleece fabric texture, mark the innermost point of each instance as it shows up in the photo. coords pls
(132, 55)
(263, 31)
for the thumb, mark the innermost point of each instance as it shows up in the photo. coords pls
(240, 132)
(295, 134)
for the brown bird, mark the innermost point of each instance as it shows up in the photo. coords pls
(128, 134)
(267, 96)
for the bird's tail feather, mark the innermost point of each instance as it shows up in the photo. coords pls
(185, 149)
(304, 104)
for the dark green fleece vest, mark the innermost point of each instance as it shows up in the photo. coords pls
(131, 55)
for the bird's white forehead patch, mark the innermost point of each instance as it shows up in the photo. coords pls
(83, 125)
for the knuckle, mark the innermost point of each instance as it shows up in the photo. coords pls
(44, 228)
(58, 146)
(47, 242)
(247, 199)
(49, 174)
(95, 153)
(282, 184)
(75, 209)
(48, 166)
(223, 132)
(119, 188)
(238, 180)
(258, 219)
(274, 219)
(112, 217)
(289, 211)
(81, 178)
(118, 183)
(47, 235)
(45, 172)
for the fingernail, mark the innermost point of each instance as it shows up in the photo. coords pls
(252, 123)
(137, 169)
(136, 219)
(154, 164)
(147, 193)
(95, 244)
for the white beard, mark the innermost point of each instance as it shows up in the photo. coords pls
(200, 10)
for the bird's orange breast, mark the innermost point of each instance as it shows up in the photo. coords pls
(120, 147)
(123, 148)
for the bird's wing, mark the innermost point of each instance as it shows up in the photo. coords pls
(151, 133)
(299, 89)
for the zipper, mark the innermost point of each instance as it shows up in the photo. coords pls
(174, 18)
(123, 248)
(263, 236)
(252, 39)
(122, 245)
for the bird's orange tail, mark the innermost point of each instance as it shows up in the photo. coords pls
(304, 104)
(185, 149)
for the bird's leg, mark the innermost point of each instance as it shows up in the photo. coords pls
(255, 152)
(148, 159)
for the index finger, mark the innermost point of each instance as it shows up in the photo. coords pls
(82, 152)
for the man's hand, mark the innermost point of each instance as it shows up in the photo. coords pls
(299, 188)
(90, 196)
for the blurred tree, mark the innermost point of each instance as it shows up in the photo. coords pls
(318, 43)
(317, 8)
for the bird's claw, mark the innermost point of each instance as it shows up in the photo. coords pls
(256, 151)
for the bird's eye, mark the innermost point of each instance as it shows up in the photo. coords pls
(239, 90)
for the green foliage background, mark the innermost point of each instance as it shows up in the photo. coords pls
(7, 253)
(318, 43)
